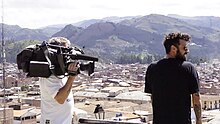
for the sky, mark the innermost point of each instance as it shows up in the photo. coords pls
(39, 13)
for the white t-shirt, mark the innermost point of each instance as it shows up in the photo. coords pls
(51, 111)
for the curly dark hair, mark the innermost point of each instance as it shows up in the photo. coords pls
(173, 39)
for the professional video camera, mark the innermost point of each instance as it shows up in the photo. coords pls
(42, 60)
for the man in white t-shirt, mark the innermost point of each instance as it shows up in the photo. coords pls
(56, 95)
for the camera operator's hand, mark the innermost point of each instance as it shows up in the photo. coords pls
(73, 69)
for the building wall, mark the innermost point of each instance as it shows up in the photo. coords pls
(210, 102)
(9, 117)
(32, 102)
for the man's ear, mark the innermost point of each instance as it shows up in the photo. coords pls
(173, 48)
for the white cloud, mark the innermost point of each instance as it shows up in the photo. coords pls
(38, 13)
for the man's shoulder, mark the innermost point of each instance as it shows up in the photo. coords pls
(152, 64)
(159, 62)
(187, 63)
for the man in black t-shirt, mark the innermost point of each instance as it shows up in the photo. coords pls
(171, 82)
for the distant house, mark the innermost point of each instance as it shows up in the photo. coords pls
(116, 81)
(26, 116)
(114, 91)
(7, 92)
(210, 88)
(11, 81)
(124, 84)
(31, 101)
(210, 102)
(135, 96)
(8, 114)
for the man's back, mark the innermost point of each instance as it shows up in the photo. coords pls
(171, 82)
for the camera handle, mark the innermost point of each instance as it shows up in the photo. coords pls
(47, 56)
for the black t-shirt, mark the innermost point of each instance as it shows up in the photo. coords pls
(171, 83)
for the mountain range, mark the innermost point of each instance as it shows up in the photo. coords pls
(113, 37)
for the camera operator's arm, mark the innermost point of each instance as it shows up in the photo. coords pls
(65, 90)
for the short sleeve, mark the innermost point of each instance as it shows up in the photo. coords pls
(194, 80)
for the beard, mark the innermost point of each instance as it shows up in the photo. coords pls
(179, 56)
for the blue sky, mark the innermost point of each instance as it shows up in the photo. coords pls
(39, 13)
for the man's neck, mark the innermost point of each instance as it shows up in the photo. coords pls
(169, 56)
